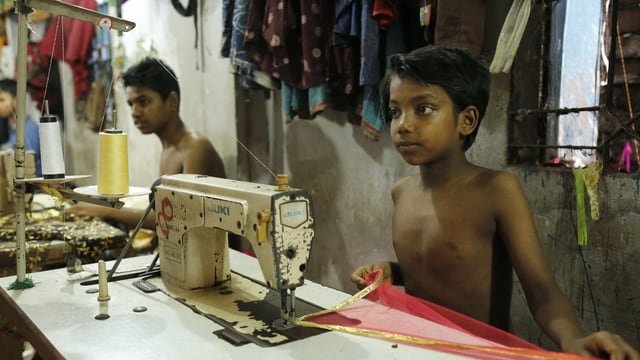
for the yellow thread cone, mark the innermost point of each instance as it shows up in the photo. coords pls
(113, 170)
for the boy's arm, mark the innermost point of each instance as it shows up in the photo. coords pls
(125, 215)
(515, 226)
(548, 305)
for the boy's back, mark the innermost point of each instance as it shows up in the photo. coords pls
(193, 153)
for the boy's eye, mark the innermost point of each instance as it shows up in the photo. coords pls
(139, 102)
(424, 109)
(393, 113)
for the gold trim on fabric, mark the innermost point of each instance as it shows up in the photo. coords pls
(530, 353)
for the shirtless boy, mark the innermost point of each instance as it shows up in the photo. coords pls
(459, 228)
(153, 94)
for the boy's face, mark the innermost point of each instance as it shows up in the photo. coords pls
(7, 105)
(424, 125)
(149, 111)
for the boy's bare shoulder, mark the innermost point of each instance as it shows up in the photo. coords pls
(496, 177)
(496, 188)
(196, 142)
(403, 184)
(502, 180)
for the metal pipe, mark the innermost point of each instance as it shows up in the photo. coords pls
(560, 111)
(613, 24)
(19, 153)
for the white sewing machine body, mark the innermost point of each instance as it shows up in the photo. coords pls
(195, 213)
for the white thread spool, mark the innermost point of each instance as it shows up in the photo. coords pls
(52, 159)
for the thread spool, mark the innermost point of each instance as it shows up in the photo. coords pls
(52, 159)
(113, 169)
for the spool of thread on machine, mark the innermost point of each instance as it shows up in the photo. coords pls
(113, 169)
(51, 155)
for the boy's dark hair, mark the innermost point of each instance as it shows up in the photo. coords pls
(464, 78)
(10, 86)
(154, 74)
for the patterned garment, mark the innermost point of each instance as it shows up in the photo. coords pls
(234, 16)
(49, 237)
(290, 40)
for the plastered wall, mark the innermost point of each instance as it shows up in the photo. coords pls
(600, 278)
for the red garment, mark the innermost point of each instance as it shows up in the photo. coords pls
(388, 312)
(385, 12)
(76, 42)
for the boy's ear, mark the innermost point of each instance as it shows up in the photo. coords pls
(468, 120)
(173, 100)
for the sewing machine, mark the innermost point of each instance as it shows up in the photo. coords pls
(195, 213)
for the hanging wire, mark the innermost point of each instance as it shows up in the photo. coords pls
(627, 91)
(104, 113)
(585, 265)
(255, 157)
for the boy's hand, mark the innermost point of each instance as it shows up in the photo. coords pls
(360, 275)
(602, 344)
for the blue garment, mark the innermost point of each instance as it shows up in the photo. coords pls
(373, 119)
(370, 71)
(354, 21)
(303, 103)
(346, 24)
(31, 140)
(234, 19)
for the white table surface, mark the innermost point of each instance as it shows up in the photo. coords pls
(64, 312)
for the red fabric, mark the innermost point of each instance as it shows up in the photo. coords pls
(391, 296)
(390, 313)
(385, 12)
(76, 42)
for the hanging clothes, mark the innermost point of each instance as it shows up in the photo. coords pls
(371, 70)
(345, 64)
(385, 12)
(290, 40)
(303, 103)
(75, 38)
(357, 45)
(234, 18)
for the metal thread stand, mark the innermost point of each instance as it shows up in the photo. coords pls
(24, 8)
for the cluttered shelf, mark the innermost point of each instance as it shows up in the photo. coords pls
(51, 237)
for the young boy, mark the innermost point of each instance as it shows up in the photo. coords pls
(459, 228)
(8, 94)
(153, 94)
